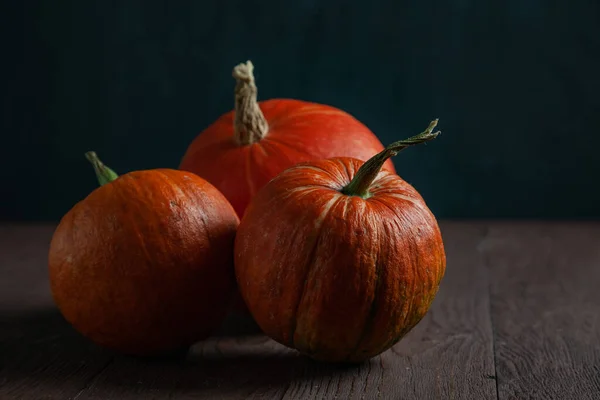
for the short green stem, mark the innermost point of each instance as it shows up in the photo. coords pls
(103, 173)
(366, 174)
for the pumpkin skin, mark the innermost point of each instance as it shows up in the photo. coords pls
(339, 278)
(296, 131)
(144, 265)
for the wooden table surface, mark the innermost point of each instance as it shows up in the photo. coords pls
(517, 317)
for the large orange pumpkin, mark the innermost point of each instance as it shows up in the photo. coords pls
(144, 264)
(245, 148)
(338, 258)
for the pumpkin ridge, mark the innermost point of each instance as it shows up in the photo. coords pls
(403, 331)
(413, 200)
(318, 229)
(414, 256)
(134, 224)
(409, 313)
(345, 168)
(175, 186)
(418, 204)
(368, 327)
(335, 183)
(175, 190)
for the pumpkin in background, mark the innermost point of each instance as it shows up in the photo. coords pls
(338, 258)
(144, 264)
(245, 148)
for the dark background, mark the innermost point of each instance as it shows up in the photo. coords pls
(514, 83)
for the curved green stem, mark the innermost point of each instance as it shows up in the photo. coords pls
(366, 174)
(103, 173)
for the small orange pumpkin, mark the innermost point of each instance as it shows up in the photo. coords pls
(338, 258)
(144, 264)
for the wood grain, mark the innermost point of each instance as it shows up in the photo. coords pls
(41, 357)
(542, 279)
(546, 309)
(447, 356)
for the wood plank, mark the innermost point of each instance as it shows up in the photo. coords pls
(448, 355)
(41, 356)
(546, 309)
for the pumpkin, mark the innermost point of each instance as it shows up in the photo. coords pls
(248, 146)
(144, 264)
(338, 258)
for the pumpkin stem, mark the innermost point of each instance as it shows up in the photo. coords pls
(250, 125)
(366, 174)
(103, 173)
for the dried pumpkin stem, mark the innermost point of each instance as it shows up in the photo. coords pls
(103, 173)
(366, 174)
(250, 124)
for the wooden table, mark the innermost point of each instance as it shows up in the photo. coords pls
(517, 317)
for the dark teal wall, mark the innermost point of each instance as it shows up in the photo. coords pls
(514, 83)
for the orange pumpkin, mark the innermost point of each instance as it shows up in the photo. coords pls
(248, 146)
(338, 258)
(144, 264)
